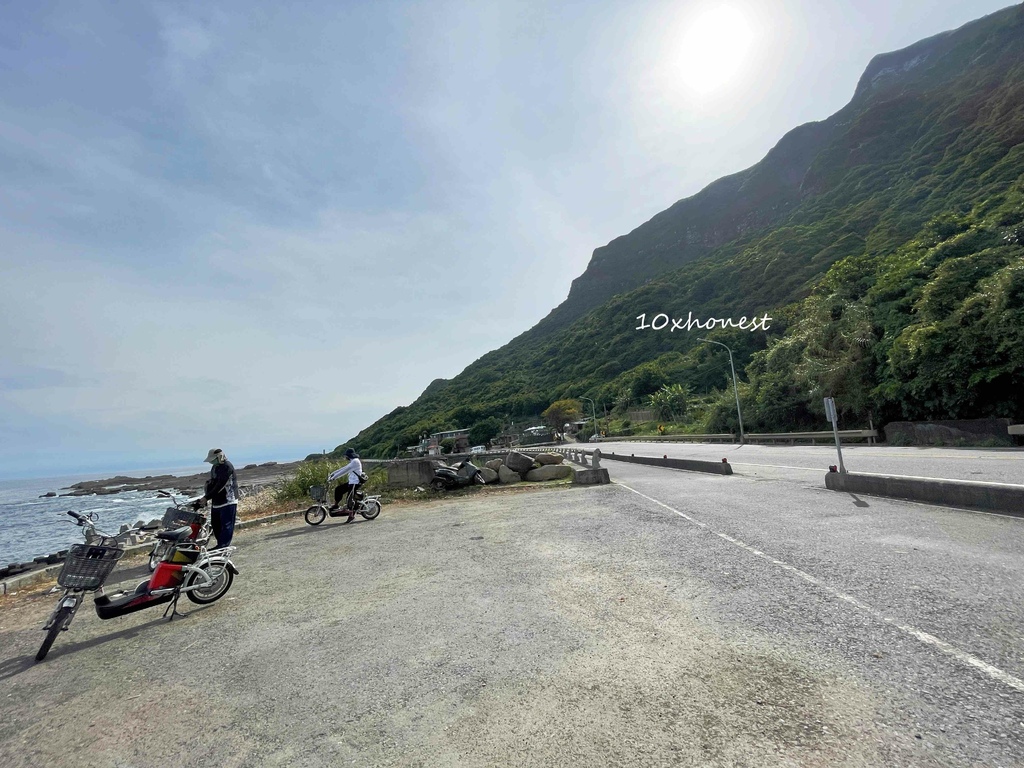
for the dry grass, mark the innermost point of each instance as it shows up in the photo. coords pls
(263, 503)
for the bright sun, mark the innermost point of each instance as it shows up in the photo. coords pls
(714, 47)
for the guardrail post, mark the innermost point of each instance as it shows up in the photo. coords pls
(597, 458)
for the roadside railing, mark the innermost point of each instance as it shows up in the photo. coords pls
(757, 437)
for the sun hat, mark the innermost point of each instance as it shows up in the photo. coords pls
(214, 456)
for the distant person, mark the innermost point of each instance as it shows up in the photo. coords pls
(222, 493)
(354, 470)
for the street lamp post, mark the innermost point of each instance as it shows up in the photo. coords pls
(593, 409)
(735, 388)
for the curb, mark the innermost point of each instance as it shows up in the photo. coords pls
(50, 572)
(989, 497)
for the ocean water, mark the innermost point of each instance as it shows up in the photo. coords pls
(31, 526)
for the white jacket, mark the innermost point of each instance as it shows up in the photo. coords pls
(354, 469)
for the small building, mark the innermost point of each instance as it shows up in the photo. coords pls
(460, 436)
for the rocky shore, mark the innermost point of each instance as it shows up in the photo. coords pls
(250, 475)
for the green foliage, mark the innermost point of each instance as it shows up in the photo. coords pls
(884, 242)
(670, 401)
(484, 430)
(308, 474)
(562, 412)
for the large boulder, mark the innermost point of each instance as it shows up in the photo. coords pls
(518, 462)
(494, 464)
(489, 475)
(549, 458)
(549, 472)
(506, 476)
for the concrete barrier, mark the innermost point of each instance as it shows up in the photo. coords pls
(990, 497)
(690, 465)
(590, 476)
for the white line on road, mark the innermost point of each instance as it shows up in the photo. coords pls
(994, 672)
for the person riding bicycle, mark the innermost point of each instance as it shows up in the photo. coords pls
(354, 470)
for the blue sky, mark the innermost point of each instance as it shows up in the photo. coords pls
(261, 226)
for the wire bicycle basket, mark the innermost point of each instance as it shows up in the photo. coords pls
(318, 493)
(88, 565)
(175, 517)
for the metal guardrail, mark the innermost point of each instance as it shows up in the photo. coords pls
(757, 437)
(726, 437)
(792, 437)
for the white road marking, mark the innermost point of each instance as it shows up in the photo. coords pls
(994, 672)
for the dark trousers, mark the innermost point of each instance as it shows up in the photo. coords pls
(222, 519)
(341, 490)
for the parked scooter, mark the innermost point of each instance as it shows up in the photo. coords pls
(187, 568)
(178, 516)
(458, 476)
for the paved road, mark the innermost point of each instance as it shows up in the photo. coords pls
(672, 619)
(992, 465)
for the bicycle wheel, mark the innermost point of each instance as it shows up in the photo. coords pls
(220, 584)
(316, 514)
(370, 509)
(63, 617)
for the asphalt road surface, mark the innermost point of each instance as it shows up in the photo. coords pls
(990, 465)
(670, 619)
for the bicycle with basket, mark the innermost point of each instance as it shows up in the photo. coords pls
(367, 506)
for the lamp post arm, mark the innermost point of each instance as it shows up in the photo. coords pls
(735, 386)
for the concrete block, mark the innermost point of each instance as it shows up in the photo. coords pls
(991, 497)
(590, 477)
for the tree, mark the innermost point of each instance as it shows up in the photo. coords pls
(562, 412)
(484, 430)
(670, 401)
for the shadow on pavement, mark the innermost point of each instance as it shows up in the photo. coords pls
(16, 666)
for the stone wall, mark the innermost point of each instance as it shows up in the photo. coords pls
(953, 432)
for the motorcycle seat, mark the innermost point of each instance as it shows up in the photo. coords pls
(176, 535)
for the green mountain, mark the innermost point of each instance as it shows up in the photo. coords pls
(885, 242)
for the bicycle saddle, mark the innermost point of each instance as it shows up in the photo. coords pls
(176, 535)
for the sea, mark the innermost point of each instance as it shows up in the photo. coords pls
(31, 526)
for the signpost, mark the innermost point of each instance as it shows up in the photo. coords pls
(830, 414)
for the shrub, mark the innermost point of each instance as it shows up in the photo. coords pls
(308, 474)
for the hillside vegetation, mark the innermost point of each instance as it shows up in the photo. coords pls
(886, 243)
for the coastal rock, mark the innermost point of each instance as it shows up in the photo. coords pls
(549, 458)
(48, 495)
(494, 464)
(506, 476)
(549, 472)
(518, 462)
(489, 475)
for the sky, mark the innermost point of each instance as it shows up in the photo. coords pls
(261, 226)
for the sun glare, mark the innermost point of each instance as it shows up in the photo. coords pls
(714, 47)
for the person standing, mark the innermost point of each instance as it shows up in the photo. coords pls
(354, 470)
(222, 493)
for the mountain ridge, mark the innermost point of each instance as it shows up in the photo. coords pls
(932, 132)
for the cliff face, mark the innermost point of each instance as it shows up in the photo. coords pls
(764, 195)
(902, 213)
